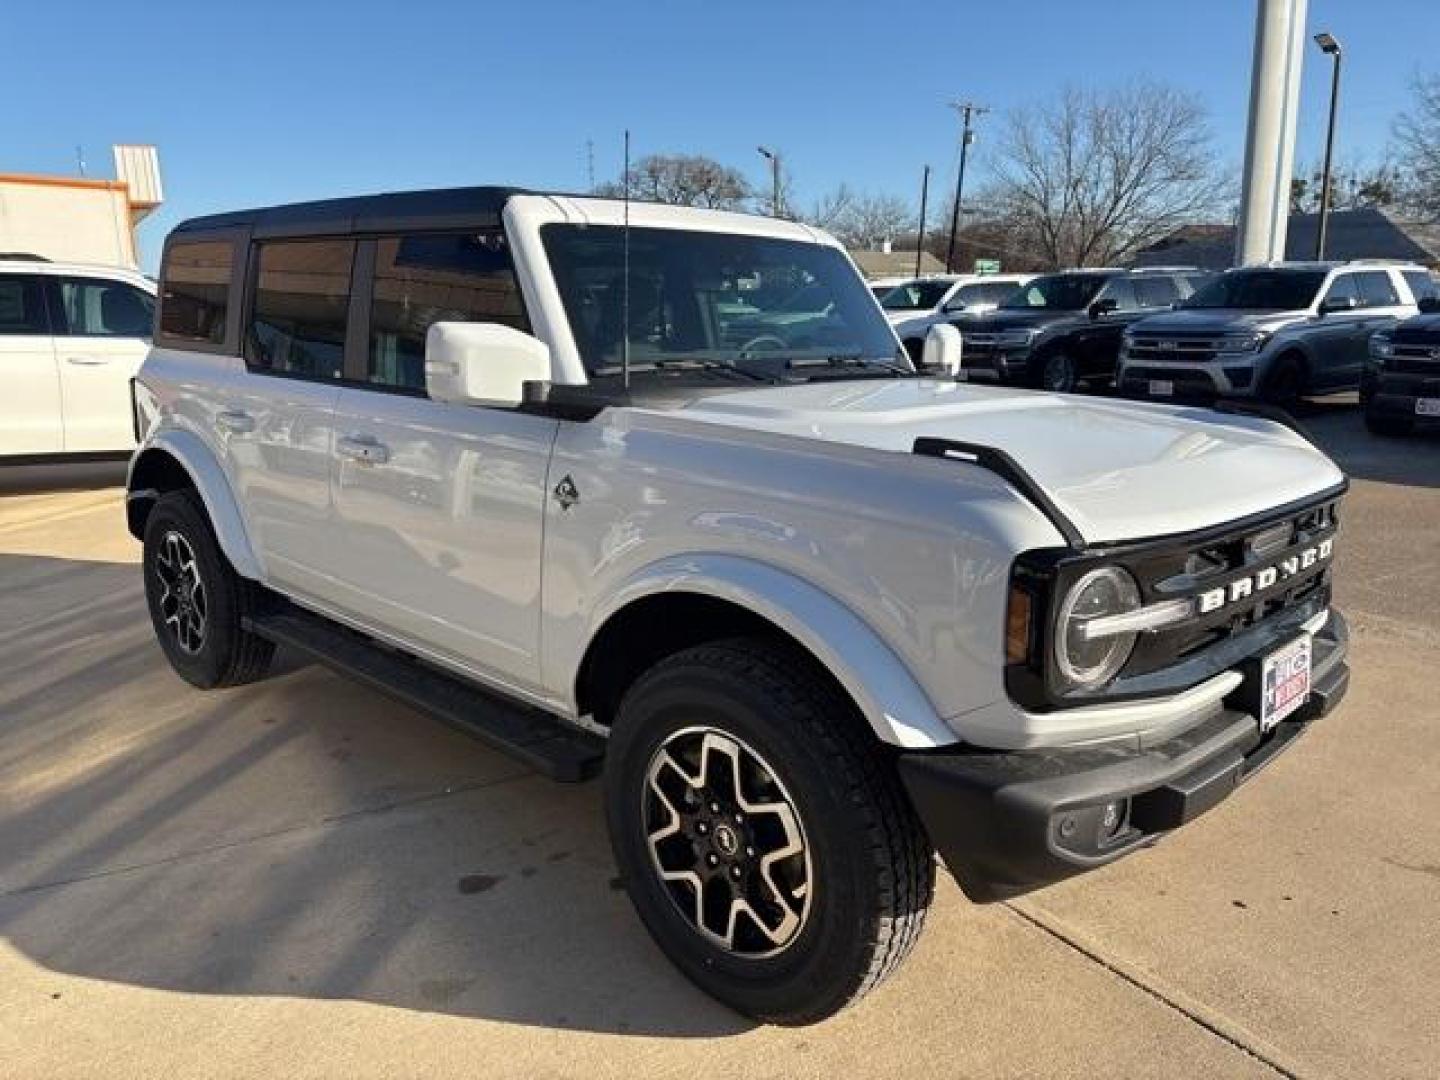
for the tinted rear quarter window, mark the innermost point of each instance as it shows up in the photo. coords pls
(302, 292)
(1422, 285)
(1376, 289)
(430, 278)
(22, 305)
(195, 291)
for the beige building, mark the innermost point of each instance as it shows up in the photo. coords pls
(80, 219)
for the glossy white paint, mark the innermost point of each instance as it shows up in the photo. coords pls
(1119, 471)
(434, 524)
(69, 394)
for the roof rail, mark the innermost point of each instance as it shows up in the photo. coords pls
(1164, 269)
(1004, 466)
(1381, 262)
(22, 256)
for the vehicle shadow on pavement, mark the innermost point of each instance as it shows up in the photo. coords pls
(299, 837)
(1339, 428)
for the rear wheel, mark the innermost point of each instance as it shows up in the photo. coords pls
(762, 833)
(197, 600)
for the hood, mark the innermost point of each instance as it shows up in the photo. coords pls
(1118, 470)
(1419, 330)
(989, 322)
(1212, 320)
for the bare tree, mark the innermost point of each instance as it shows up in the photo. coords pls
(1094, 176)
(683, 180)
(1417, 138)
(1352, 187)
(862, 220)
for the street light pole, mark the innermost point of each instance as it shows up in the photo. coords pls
(1328, 45)
(773, 156)
(967, 110)
(920, 239)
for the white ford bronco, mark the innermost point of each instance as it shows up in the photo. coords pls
(655, 492)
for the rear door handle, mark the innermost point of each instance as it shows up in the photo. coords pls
(363, 448)
(235, 422)
(87, 361)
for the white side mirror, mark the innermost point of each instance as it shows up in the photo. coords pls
(482, 363)
(943, 346)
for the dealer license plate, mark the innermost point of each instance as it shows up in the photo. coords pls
(1284, 682)
(1427, 406)
(1162, 387)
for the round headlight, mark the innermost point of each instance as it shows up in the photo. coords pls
(1084, 658)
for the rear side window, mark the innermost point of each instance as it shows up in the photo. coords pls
(1155, 292)
(1376, 289)
(196, 291)
(430, 278)
(94, 307)
(1421, 284)
(22, 305)
(302, 293)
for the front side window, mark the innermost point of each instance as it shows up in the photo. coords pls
(302, 292)
(93, 307)
(1259, 290)
(22, 305)
(195, 290)
(718, 297)
(430, 278)
(1058, 292)
(1343, 289)
(1376, 289)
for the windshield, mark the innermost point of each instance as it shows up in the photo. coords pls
(707, 296)
(914, 295)
(1060, 292)
(1267, 290)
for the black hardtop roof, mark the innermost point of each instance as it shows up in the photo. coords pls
(435, 208)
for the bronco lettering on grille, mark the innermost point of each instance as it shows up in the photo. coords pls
(1258, 582)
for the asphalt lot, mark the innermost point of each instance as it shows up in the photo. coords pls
(301, 878)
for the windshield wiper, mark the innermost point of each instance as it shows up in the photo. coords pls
(848, 360)
(685, 364)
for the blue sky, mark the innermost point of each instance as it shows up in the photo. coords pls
(259, 102)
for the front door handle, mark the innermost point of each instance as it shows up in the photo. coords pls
(363, 448)
(87, 361)
(236, 422)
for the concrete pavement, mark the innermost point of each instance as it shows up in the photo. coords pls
(301, 878)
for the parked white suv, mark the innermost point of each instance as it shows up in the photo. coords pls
(651, 488)
(71, 339)
(914, 307)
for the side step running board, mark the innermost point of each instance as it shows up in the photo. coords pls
(546, 743)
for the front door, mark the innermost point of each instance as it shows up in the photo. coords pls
(1333, 334)
(30, 413)
(439, 508)
(102, 333)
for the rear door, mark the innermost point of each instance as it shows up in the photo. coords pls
(439, 507)
(30, 411)
(102, 332)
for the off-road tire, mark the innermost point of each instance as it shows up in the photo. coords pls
(227, 654)
(873, 868)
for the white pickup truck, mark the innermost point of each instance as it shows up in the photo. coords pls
(654, 492)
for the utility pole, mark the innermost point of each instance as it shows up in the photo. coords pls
(590, 162)
(920, 239)
(773, 156)
(966, 109)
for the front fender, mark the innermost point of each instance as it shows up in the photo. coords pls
(212, 485)
(896, 707)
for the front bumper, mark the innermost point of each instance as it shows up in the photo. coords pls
(1394, 393)
(1007, 822)
(1225, 376)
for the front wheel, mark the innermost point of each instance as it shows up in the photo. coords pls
(1057, 374)
(762, 833)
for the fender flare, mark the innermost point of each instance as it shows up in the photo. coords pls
(210, 481)
(877, 680)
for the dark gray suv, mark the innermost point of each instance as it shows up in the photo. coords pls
(1276, 332)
